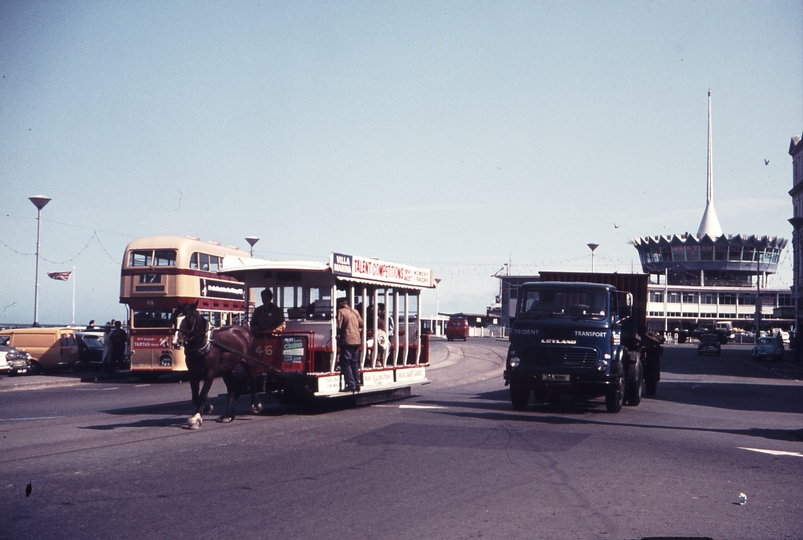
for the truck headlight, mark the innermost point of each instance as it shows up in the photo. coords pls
(603, 362)
(514, 361)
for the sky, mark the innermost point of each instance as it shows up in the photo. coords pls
(458, 136)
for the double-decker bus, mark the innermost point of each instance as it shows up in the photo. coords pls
(160, 272)
(394, 353)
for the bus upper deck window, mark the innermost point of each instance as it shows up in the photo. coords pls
(204, 261)
(194, 261)
(165, 258)
(214, 265)
(140, 258)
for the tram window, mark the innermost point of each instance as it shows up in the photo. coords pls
(214, 263)
(164, 257)
(203, 261)
(140, 258)
(152, 318)
(194, 261)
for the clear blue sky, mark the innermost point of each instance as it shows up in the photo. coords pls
(457, 136)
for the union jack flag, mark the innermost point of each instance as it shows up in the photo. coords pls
(59, 276)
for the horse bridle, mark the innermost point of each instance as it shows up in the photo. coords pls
(204, 346)
(186, 333)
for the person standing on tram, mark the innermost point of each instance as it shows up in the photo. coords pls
(268, 317)
(349, 339)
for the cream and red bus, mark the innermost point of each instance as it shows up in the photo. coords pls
(160, 272)
(303, 357)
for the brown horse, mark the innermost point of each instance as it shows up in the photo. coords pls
(211, 353)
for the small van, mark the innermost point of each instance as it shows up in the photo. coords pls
(457, 328)
(50, 348)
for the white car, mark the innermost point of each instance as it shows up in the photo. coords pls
(768, 347)
(13, 361)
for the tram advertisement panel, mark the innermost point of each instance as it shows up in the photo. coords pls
(382, 271)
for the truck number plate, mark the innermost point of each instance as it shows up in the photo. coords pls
(556, 377)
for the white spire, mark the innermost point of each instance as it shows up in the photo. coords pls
(710, 224)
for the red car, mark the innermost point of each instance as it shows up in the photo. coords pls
(457, 328)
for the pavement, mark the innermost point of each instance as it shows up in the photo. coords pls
(66, 378)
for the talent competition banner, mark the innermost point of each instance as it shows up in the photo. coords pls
(376, 270)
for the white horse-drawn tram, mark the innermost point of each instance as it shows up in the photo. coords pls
(301, 360)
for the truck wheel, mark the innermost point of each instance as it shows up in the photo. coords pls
(519, 396)
(615, 397)
(634, 383)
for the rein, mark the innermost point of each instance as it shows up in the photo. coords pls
(209, 342)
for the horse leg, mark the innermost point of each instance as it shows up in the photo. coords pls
(231, 394)
(256, 405)
(197, 419)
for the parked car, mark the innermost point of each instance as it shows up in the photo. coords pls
(50, 348)
(90, 350)
(457, 328)
(709, 344)
(13, 361)
(768, 347)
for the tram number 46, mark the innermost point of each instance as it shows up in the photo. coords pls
(267, 351)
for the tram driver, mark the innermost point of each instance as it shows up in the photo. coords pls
(267, 318)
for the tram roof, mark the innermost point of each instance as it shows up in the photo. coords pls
(380, 273)
(235, 265)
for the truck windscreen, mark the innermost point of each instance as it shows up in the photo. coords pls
(569, 303)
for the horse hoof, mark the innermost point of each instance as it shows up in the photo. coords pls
(225, 419)
(256, 409)
(208, 409)
(194, 425)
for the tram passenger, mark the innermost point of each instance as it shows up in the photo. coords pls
(267, 318)
(349, 339)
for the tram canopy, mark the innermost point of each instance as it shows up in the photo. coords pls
(351, 268)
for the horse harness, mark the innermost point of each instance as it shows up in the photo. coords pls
(209, 342)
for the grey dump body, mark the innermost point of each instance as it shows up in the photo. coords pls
(583, 334)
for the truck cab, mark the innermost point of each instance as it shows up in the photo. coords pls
(574, 338)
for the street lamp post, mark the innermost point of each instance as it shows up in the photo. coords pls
(592, 247)
(437, 303)
(39, 201)
(252, 240)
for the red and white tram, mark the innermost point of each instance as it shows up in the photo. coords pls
(303, 357)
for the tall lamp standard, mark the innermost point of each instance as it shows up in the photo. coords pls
(437, 303)
(797, 224)
(592, 247)
(252, 240)
(39, 201)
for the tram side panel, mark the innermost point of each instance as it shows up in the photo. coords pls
(301, 361)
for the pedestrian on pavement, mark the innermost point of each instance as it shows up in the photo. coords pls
(119, 338)
(106, 362)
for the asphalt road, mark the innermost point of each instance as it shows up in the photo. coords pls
(113, 459)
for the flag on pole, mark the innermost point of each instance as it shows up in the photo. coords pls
(60, 276)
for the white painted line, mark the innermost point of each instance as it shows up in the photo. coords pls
(772, 452)
(421, 407)
(31, 418)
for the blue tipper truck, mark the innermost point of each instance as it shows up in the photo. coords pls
(583, 334)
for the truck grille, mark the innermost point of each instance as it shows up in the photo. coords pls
(546, 357)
